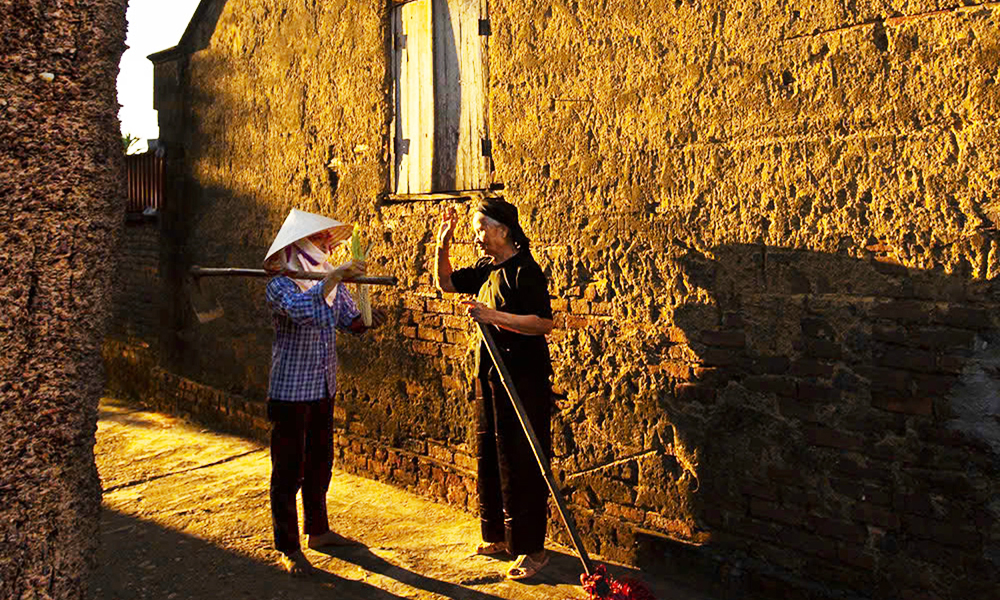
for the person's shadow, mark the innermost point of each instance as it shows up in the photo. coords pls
(363, 557)
(142, 559)
(563, 569)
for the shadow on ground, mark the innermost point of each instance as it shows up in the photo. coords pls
(185, 516)
(140, 559)
(563, 569)
(369, 561)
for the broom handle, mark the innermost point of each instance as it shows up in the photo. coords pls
(234, 272)
(536, 447)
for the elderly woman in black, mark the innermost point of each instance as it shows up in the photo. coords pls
(513, 300)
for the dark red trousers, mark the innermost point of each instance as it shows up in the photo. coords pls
(513, 495)
(301, 458)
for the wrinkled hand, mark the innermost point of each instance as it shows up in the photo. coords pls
(358, 324)
(350, 270)
(449, 219)
(479, 312)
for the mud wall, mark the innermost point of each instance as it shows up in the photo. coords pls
(61, 202)
(769, 231)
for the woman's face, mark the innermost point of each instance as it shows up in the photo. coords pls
(491, 238)
(324, 240)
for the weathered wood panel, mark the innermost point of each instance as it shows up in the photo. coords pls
(448, 94)
(423, 55)
(474, 88)
(413, 139)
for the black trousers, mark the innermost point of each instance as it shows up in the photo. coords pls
(513, 495)
(301, 458)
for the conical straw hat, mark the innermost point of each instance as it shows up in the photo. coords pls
(301, 224)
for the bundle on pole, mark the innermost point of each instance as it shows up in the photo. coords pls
(362, 293)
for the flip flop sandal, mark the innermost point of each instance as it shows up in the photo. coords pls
(491, 548)
(526, 567)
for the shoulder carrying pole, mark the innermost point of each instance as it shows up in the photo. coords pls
(536, 447)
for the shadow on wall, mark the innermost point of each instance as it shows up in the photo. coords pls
(844, 419)
(223, 214)
(205, 17)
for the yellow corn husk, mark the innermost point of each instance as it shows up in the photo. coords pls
(356, 253)
(362, 293)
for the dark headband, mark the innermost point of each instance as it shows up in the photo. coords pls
(505, 213)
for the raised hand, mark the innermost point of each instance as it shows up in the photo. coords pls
(449, 219)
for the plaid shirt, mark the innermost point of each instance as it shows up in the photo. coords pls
(304, 354)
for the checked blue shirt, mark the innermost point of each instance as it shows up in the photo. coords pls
(304, 354)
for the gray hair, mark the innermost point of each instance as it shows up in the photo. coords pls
(491, 221)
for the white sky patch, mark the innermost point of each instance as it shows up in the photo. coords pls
(153, 25)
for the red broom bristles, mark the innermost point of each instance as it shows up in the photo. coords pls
(601, 586)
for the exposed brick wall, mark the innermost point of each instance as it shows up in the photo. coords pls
(844, 454)
(850, 455)
(138, 286)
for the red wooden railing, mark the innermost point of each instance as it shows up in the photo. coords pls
(146, 179)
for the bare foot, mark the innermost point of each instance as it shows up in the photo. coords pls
(329, 538)
(296, 564)
(491, 548)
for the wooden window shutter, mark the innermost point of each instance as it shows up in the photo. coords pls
(413, 129)
(450, 60)
(460, 108)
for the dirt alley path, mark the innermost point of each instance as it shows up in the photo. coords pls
(186, 516)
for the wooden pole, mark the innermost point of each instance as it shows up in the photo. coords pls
(536, 447)
(198, 272)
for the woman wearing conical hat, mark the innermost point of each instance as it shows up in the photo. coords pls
(306, 316)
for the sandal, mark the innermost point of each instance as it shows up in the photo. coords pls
(526, 567)
(491, 548)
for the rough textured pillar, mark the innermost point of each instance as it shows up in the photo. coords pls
(61, 200)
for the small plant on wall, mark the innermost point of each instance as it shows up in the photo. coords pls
(129, 142)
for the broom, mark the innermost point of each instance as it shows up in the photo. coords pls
(598, 584)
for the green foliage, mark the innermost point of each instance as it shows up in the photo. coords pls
(356, 252)
(128, 141)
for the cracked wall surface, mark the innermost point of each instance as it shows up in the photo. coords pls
(769, 231)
